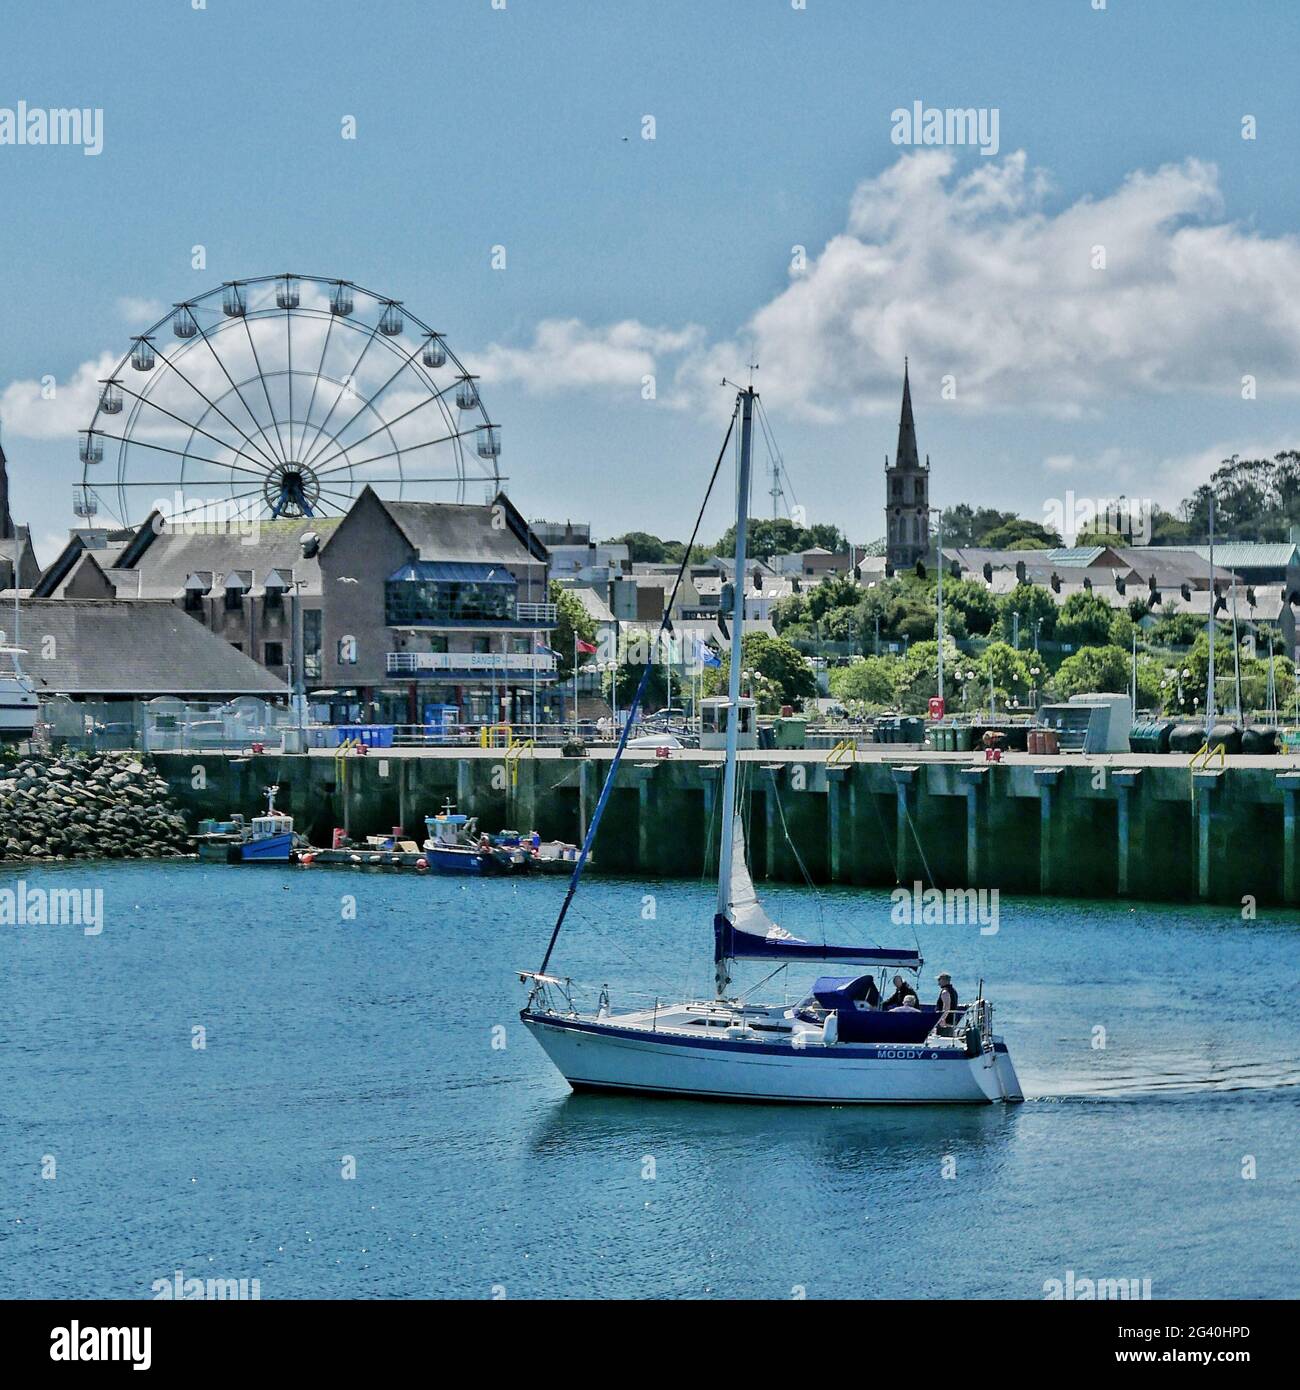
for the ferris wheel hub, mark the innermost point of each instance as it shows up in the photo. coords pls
(292, 489)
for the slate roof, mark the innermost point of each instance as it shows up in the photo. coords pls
(133, 647)
(458, 531)
(164, 565)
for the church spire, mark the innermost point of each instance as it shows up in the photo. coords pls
(906, 456)
(6, 519)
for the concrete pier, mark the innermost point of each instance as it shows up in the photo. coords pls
(1138, 826)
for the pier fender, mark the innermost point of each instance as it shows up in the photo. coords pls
(421, 863)
(831, 1029)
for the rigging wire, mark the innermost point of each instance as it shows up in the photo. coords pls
(665, 625)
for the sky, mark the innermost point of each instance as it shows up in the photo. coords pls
(778, 216)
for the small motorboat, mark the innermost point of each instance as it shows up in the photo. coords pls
(267, 839)
(455, 846)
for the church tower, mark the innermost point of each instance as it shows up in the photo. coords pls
(6, 517)
(907, 494)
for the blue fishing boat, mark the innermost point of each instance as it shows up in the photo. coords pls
(454, 846)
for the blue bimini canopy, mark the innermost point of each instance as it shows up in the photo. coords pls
(731, 943)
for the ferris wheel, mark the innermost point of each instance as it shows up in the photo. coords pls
(283, 396)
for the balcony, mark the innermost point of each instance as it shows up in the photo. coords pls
(524, 665)
(535, 612)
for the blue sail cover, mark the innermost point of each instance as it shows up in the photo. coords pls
(731, 943)
(748, 933)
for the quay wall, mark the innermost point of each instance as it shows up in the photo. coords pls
(1142, 826)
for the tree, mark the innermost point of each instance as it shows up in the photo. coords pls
(1020, 534)
(775, 659)
(1094, 669)
(643, 548)
(781, 536)
(917, 676)
(1084, 620)
(1254, 499)
(570, 618)
(1175, 629)
(1034, 604)
(973, 601)
(869, 681)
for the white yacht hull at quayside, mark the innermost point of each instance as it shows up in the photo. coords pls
(18, 709)
(600, 1056)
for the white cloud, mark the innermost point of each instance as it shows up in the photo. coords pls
(54, 409)
(140, 313)
(567, 354)
(975, 278)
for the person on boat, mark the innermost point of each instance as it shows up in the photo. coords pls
(908, 1006)
(901, 990)
(946, 1004)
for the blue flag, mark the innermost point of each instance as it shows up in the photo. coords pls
(706, 656)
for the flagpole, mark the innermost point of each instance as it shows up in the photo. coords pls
(575, 684)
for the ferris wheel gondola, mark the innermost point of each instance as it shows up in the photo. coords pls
(284, 395)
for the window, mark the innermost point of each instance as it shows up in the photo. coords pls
(193, 600)
(273, 654)
(521, 644)
(274, 600)
(481, 644)
(433, 601)
(234, 600)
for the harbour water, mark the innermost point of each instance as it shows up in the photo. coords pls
(369, 1021)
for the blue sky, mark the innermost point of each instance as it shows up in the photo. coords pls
(522, 127)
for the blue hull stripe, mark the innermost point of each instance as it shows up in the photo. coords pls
(581, 1084)
(889, 1052)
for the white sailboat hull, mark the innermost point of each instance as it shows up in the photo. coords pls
(597, 1055)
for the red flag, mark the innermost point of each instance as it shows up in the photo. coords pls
(588, 647)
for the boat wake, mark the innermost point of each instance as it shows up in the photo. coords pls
(1265, 1074)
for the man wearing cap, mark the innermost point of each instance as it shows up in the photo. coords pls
(946, 1004)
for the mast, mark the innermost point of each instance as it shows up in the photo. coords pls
(1209, 685)
(726, 838)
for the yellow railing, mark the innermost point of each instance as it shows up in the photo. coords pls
(846, 750)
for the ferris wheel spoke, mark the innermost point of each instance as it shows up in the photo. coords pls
(343, 386)
(366, 404)
(203, 396)
(196, 429)
(257, 424)
(288, 336)
(266, 391)
(177, 453)
(397, 453)
(316, 380)
(319, 465)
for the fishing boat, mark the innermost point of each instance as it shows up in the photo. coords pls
(454, 846)
(834, 1046)
(266, 839)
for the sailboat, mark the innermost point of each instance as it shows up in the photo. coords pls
(834, 1047)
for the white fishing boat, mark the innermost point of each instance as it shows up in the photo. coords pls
(835, 1046)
